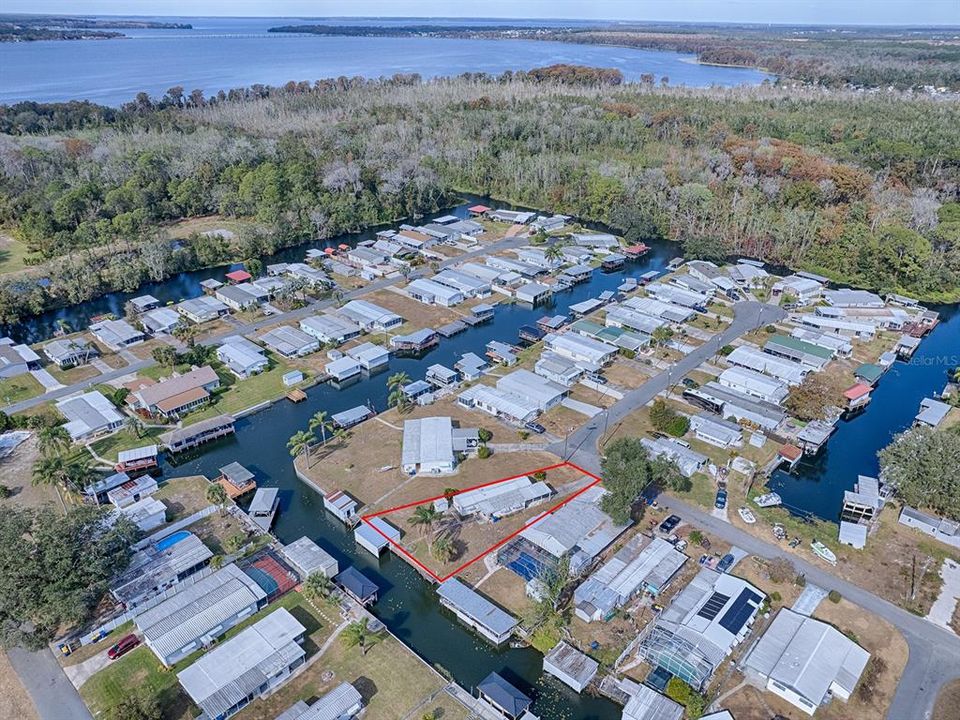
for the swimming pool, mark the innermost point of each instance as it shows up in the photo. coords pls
(171, 540)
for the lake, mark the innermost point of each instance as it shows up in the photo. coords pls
(224, 53)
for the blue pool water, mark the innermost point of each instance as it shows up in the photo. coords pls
(171, 540)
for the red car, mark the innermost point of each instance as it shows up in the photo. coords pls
(125, 645)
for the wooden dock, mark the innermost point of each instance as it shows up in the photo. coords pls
(451, 329)
(296, 396)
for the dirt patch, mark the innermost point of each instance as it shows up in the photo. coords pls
(947, 701)
(472, 537)
(415, 313)
(16, 704)
(17, 472)
(506, 589)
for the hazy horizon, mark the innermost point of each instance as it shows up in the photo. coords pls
(930, 13)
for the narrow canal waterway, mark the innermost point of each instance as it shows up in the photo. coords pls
(407, 602)
(817, 485)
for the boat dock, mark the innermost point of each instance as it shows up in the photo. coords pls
(454, 328)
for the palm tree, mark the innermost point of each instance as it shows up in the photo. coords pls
(554, 252)
(398, 399)
(72, 474)
(53, 440)
(216, 495)
(185, 333)
(424, 516)
(442, 549)
(397, 380)
(358, 633)
(216, 562)
(299, 443)
(317, 586)
(320, 422)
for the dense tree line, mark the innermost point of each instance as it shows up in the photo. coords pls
(858, 187)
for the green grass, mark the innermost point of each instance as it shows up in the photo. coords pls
(22, 387)
(86, 652)
(140, 668)
(12, 255)
(137, 669)
(703, 491)
(125, 439)
(243, 394)
(155, 372)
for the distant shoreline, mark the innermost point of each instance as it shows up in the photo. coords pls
(34, 28)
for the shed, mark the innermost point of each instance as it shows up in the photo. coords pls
(570, 665)
(358, 586)
(308, 558)
(374, 534)
(503, 696)
(853, 534)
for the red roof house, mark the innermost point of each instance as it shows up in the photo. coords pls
(479, 210)
(239, 276)
(857, 391)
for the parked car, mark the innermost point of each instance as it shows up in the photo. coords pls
(690, 383)
(669, 524)
(126, 644)
(597, 378)
(721, 502)
(535, 427)
(725, 563)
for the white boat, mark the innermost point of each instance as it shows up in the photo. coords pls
(748, 517)
(770, 499)
(823, 552)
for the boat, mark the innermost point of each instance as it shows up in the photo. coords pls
(823, 552)
(747, 516)
(770, 499)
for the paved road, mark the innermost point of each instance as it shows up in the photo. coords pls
(934, 651)
(251, 327)
(52, 693)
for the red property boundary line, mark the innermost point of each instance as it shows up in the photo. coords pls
(409, 556)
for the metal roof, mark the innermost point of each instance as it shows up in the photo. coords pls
(236, 473)
(371, 536)
(88, 413)
(807, 656)
(263, 500)
(428, 441)
(578, 525)
(504, 695)
(198, 609)
(476, 607)
(570, 661)
(338, 704)
(645, 703)
(153, 568)
(308, 557)
(238, 668)
(357, 583)
(288, 340)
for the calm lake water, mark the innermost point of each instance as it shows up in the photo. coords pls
(223, 53)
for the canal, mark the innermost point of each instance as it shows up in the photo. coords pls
(407, 602)
(816, 485)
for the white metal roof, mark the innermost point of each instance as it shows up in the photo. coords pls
(428, 441)
(807, 656)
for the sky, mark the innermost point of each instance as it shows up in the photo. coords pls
(852, 12)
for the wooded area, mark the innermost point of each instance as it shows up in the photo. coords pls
(859, 187)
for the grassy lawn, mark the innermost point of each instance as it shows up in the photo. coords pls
(140, 668)
(125, 439)
(243, 394)
(12, 254)
(74, 375)
(317, 628)
(183, 496)
(703, 491)
(156, 372)
(137, 669)
(22, 387)
(392, 680)
(88, 651)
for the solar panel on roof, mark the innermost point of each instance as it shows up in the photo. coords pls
(741, 610)
(714, 605)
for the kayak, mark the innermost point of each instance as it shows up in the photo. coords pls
(747, 516)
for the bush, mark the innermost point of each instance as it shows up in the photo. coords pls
(726, 350)
(775, 596)
(780, 570)
(484, 435)
(694, 702)
(678, 426)
(834, 596)
(770, 329)
(867, 688)
(484, 452)
(800, 580)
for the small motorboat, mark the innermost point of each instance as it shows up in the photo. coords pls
(770, 499)
(779, 533)
(748, 517)
(823, 552)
